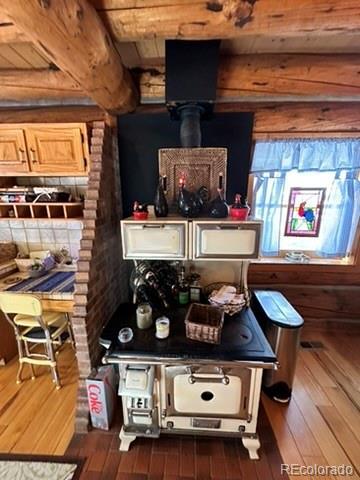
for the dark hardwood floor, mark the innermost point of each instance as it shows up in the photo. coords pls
(176, 457)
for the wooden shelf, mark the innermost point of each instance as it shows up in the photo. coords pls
(49, 210)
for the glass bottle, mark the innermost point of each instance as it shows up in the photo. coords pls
(183, 198)
(195, 288)
(218, 207)
(239, 210)
(160, 203)
(184, 289)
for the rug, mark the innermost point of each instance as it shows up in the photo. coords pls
(34, 467)
(54, 282)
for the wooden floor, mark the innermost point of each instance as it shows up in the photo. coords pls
(321, 425)
(35, 417)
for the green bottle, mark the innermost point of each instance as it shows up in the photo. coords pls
(184, 289)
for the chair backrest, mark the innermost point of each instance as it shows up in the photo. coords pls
(13, 303)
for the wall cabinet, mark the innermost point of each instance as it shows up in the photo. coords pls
(43, 149)
(203, 239)
(13, 156)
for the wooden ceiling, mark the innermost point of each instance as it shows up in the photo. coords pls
(292, 49)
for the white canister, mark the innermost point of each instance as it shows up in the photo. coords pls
(162, 327)
(144, 316)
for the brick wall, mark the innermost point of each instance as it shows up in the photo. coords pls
(101, 280)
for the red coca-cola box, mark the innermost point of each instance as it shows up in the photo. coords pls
(101, 391)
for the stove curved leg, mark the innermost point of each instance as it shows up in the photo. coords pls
(125, 440)
(252, 444)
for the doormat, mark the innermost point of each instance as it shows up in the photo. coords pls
(36, 467)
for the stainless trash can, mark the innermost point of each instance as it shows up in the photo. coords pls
(282, 326)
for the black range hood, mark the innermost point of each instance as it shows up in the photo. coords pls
(190, 86)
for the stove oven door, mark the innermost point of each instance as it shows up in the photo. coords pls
(207, 391)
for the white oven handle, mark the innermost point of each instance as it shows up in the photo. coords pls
(194, 379)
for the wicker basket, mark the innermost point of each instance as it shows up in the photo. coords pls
(204, 323)
(8, 251)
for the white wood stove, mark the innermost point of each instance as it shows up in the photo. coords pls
(179, 385)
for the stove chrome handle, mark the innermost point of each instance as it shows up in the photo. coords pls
(224, 379)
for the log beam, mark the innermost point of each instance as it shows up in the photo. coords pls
(261, 78)
(273, 78)
(130, 20)
(72, 35)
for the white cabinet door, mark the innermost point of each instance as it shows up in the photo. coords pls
(155, 239)
(227, 240)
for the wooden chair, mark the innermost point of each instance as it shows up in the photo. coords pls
(33, 326)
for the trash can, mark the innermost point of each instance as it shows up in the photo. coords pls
(282, 325)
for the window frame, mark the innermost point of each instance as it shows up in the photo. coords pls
(354, 257)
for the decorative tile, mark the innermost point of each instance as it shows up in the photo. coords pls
(81, 181)
(52, 181)
(4, 223)
(32, 235)
(34, 247)
(47, 236)
(68, 181)
(60, 224)
(16, 224)
(44, 224)
(30, 224)
(5, 235)
(18, 235)
(47, 246)
(74, 250)
(61, 236)
(74, 225)
(75, 236)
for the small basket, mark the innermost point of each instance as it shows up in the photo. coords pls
(24, 264)
(204, 323)
(8, 251)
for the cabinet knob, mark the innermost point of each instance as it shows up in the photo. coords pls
(22, 157)
(32, 156)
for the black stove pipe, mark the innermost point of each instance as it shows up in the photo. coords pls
(190, 129)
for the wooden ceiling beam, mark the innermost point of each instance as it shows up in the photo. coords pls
(245, 78)
(71, 34)
(273, 78)
(130, 20)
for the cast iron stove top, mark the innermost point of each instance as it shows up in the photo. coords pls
(242, 339)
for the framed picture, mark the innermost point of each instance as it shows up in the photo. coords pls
(304, 212)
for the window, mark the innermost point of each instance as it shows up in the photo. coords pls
(307, 193)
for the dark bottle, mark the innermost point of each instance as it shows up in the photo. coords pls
(218, 207)
(184, 289)
(185, 199)
(160, 203)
